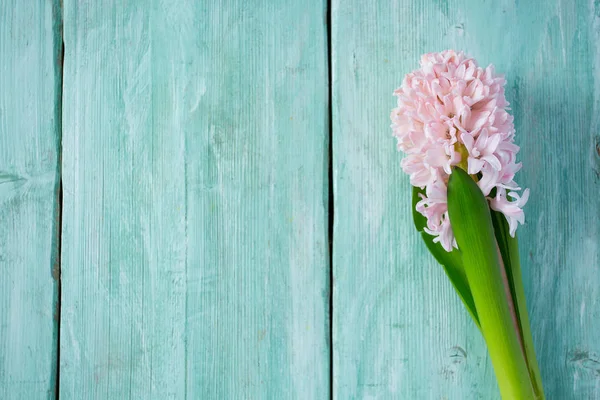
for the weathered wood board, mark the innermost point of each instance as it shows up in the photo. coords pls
(30, 69)
(400, 332)
(195, 154)
(195, 257)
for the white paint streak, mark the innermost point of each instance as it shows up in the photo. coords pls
(199, 92)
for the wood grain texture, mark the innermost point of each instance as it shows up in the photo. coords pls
(30, 70)
(195, 256)
(399, 329)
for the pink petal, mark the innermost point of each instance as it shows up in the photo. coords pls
(474, 165)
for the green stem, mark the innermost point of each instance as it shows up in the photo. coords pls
(509, 248)
(519, 296)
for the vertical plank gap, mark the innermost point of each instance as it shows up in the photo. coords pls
(330, 210)
(59, 53)
(58, 288)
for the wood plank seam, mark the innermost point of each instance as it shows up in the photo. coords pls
(331, 207)
(59, 52)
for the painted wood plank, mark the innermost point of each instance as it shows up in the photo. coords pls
(30, 69)
(195, 260)
(399, 329)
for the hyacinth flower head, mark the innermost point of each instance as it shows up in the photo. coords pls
(453, 125)
(451, 112)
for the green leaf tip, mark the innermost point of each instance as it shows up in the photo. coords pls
(451, 262)
(472, 225)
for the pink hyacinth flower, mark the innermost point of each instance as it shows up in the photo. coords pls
(449, 109)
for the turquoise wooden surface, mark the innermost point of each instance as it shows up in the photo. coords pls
(29, 146)
(195, 252)
(195, 161)
(399, 330)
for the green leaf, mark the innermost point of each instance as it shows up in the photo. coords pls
(509, 249)
(472, 225)
(450, 261)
